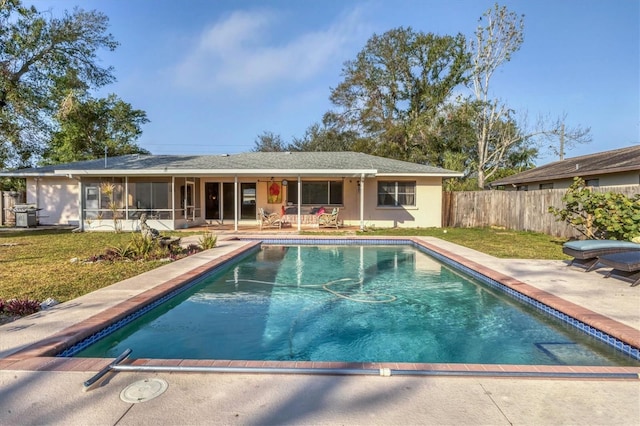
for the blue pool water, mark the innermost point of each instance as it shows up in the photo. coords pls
(351, 303)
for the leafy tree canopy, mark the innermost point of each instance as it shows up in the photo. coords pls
(396, 86)
(396, 100)
(269, 142)
(91, 128)
(37, 54)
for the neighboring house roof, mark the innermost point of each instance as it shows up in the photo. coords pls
(245, 164)
(601, 163)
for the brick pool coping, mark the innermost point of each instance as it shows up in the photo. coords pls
(40, 356)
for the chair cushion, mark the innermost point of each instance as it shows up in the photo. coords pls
(628, 261)
(585, 245)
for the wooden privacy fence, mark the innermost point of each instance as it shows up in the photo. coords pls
(517, 210)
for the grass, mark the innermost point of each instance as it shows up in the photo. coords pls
(493, 241)
(38, 264)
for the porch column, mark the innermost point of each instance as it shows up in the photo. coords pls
(80, 203)
(173, 201)
(125, 200)
(235, 203)
(299, 203)
(362, 202)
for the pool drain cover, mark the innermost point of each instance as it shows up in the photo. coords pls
(143, 390)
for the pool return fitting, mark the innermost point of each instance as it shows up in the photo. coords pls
(384, 372)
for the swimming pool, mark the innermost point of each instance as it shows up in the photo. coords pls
(351, 303)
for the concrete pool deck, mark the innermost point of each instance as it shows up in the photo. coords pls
(37, 390)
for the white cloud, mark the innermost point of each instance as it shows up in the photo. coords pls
(239, 52)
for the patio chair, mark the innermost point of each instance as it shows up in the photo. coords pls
(625, 266)
(269, 220)
(329, 220)
(585, 253)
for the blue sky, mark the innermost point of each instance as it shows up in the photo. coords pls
(213, 75)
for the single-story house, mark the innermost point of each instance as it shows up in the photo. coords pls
(181, 191)
(619, 167)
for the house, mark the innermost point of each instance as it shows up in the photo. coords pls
(181, 191)
(618, 167)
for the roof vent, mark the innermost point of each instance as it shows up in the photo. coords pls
(224, 155)
(577, 166)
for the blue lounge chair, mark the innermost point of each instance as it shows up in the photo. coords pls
(585, 253)
(625, 265)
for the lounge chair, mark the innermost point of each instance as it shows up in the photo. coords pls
(269, 220)
(329, 220)
(586, 252)
(625, 265)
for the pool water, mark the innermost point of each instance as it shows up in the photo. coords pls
(351, 303)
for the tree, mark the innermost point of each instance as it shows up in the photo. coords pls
(269, 142)
(91, 128)
(321, 137)
(453, 146)
(395, 87)
(37, 52)
(494, 45)
(499, 138)
(567, 137)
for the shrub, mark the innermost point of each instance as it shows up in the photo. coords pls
(141, 246)
(122, 252)
(20, 307)
(596, 215)
(208, 240)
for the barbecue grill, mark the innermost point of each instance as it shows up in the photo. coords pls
(26, 215)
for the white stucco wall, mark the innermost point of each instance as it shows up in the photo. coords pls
(58, 197)
(425, 214)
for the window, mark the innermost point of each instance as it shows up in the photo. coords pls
(522, 188)
(316, 192)
(592, 182)
(546, 186)
(396, 193)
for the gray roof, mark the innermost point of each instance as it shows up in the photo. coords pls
(592, 165)
(250, 163)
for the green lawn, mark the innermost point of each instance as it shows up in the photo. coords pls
(38, 264)
(496, 242)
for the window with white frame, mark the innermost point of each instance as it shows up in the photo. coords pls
(396, 193)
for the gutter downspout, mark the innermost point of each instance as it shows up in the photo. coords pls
(37, 179)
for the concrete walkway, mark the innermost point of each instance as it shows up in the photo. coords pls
(57, 397)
